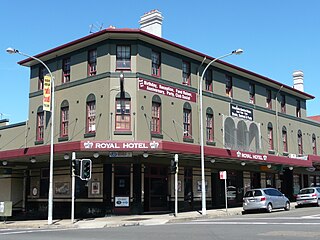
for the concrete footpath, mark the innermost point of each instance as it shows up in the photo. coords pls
(118, 221)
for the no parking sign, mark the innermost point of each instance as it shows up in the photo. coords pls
(223, 175)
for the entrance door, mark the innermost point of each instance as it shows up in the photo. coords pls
(156, 188)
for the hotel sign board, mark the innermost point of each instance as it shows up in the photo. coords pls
(241, 112)
(115, 146)
(166, 90)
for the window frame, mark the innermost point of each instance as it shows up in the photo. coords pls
(229, 85)
(270, 136)
(42, 73)
(298, 108)
(208, 80)
(127, 102)
(40, 126)
(187, 121)
(90, 116)
(155, 126)
(122, 60)
(92, 62)
(300, 142)
(314, 144)
(66, 69)
(186, 73)
(252, 93)
(209, 127)
(269, 99)
(283, 103)
(285, 139)
(64, 121)
(155, 64)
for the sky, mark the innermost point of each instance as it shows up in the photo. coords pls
(277, 37)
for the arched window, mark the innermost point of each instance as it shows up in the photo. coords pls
(64, 118)
(284, 139)
(314, 144)
(270, 136)
(209, 125)
(123, 112)
(156, 115)
(242, 131)
(254, 140)
(187, 123)
(300, 146)
(91, 114)
(229, 133)
(40, 124)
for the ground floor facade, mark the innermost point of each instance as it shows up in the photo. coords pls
(140, 181)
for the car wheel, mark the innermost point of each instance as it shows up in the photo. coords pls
(269, 208)
(287, 206)
(318, 204)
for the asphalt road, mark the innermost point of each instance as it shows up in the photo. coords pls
(302, 223)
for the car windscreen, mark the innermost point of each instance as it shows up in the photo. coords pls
(307, 191)
(253, 193)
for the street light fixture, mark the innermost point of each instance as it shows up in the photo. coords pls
(203, 187)
(50, 197)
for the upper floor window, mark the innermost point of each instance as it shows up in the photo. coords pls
(66, 70)
(155, 68)
(40, 124)
(92, 62)
(298, 109)
(187, 123)
(209, 125)
(208, 80)
(268, 99)
(300, 146)
(228, 86)
(186, 73)
(91, 114)
(42, 72)
(123, 113)
(283, 103)
(284, 139)
(123, 57)
(270, 136)
(64, 121)
(252, 93)
(314, 144)
(156, 115)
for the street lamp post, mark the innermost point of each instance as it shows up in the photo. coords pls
(203, 187)
(50, 197)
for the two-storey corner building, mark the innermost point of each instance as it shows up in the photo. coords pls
(128, 100)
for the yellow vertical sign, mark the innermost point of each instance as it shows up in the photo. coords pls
(46, 93)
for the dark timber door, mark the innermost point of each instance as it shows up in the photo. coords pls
(156, 188)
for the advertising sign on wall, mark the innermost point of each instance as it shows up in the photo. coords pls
(241, 112)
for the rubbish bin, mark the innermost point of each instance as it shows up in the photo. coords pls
(6, 209)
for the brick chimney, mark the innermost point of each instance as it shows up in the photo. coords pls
(298, 80)
(151, 22)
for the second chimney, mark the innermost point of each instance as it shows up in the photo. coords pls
(298, 80)
(151, 22)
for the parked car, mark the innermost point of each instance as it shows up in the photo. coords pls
(310, 195)
(265, 199)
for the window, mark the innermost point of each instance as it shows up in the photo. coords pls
(91, 114)
(268, 99)
(123, 113)
(208, 79)
(283, 103)
(252, 93)
(66, 70)
(156, 115)
(270, 136)
(123, 57)
(228, 86)
(155, 68)
(314, 144)
(64, 119)
(92, 62)
(42, 72)
(209, 125)
(298, 109)
(187, 126)
(284, 139)
(300, 147)
(186, 73)
(40, 124)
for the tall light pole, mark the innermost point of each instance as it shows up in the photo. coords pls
(203, 187)
(50, 197)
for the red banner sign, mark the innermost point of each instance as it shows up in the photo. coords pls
(167, 90)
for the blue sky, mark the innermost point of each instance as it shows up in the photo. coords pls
(278, 37)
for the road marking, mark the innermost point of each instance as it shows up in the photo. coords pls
(249, 223)
(312, 216)
(32, 231)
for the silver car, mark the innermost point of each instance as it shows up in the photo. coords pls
(265, 199)
(310, 195)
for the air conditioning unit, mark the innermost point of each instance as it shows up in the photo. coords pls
(292, 155)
